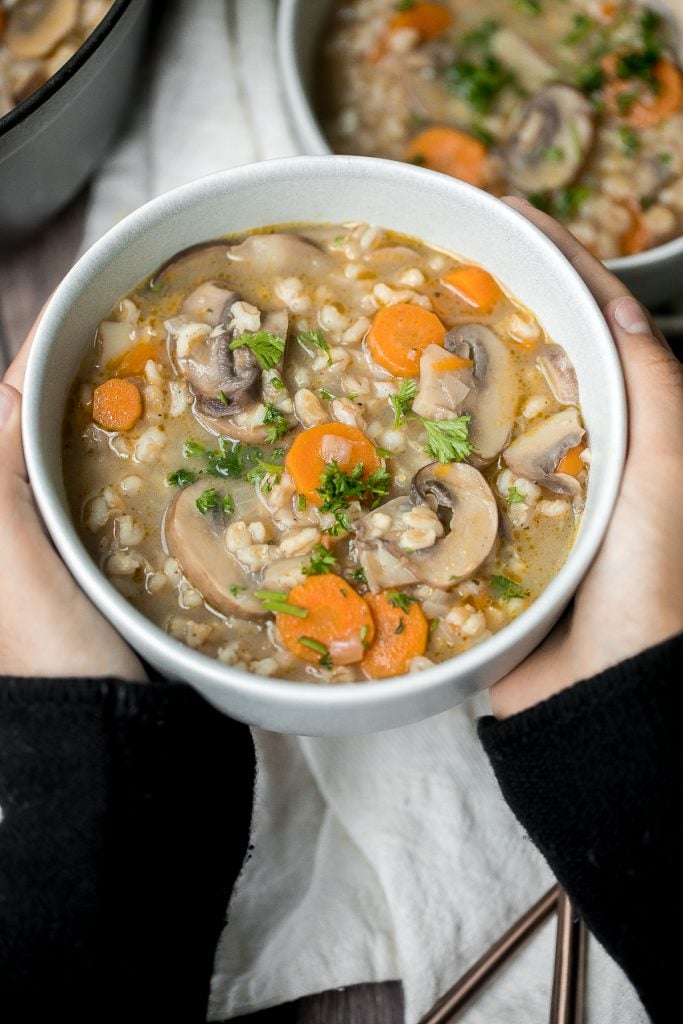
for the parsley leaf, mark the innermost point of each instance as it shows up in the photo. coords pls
(278, 424)
(507, 589)
(402, 401)
(338, 489)
(315, 338)
(480, 35)
(236, 589)
(322, 561)
(327, 395)
(629, 140)
(398, 599)
(228, 505)
(478, 83)
(181, 478)
(319, 648)
(268, 348)
(191, 448)
(448, 440)
(276, 601)
(358, 575)
(514, 496)
(433, 626)
(207, 500)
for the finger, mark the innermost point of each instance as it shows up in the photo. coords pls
(17, 368)
(12, 468)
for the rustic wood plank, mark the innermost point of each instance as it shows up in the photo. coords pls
(31, 272)
(358, 1004)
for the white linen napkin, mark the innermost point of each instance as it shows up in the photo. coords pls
(376, 857)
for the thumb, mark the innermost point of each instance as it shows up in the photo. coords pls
(12, 467)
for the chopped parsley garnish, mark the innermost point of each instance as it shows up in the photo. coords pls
(230, 459)
(327, 395)
(316, 340)
(629, 140)
(278, 425)
(581, 26)
(364, 637)
(590, 77)
(486, 137)
(321, 649)
(507, 589)
(302, 502)
(568, 201)
(448, 440)
(384, 453)
(404, 5)
(401, 628)
(181, 478)
(236, 590)
(259, 474)
(191, 448)
(398, 599)
(640, 64)
(478, 83)
(533, 7)
(276, 601)
(322, 561)
(514, 496)
(553, 153)
(228, 505)
(276, 383)
(358, 575)
(222, 397)
(402, 401)
(419, 159)
(665, 158)
(480, 35)
(207, 500)
(338, 489)
(433, 626)
(268, 348)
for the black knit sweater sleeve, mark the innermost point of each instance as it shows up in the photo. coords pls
(593, 774)
(125, 820)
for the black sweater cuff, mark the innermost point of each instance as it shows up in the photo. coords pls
(592, 774)
(125, 820)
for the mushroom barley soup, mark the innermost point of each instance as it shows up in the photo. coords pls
(328, 453)
(575, 104)
(37, 37)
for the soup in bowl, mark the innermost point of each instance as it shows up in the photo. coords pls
(368, 451)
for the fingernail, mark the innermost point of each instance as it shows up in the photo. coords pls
(629, 314)
(6, 404)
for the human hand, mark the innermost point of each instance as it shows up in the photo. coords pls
(632, 597)
(48, 627)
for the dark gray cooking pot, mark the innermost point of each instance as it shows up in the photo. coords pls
(52, 142)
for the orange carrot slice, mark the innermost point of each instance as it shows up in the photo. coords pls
(399, 334)
(117, 404)
(649, 107)
(638, 236)
(571, 462)
(313, 449)
(451, 362)
(451, 152)
(399, 637)
(133, 362)
(475, 286)
(338, 620)
(429, 19)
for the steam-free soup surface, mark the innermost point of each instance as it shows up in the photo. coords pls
(325, 452)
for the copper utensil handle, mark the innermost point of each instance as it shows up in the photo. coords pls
(464, 990)
(569, 977)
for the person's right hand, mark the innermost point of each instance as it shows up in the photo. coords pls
(48, 627)
(632, 597)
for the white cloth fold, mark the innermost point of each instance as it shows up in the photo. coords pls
(375, 857)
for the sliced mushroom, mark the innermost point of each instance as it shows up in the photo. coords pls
(181, 260)
(209, 303)
(279, 254)
(560, 374)
(196, 541)
(464, 502)
(494, 394)
(34, 27)
(536, 453)
(550, 139)
(442, 389)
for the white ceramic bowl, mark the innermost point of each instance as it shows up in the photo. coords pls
(445, 213)
(655, 276)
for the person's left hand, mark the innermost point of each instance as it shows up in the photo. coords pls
(48, 627)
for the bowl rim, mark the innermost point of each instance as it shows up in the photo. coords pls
(36, 99)
(312, 137)
(190, 665)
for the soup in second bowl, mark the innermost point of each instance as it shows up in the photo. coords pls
(575, 104)
(325, 453)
